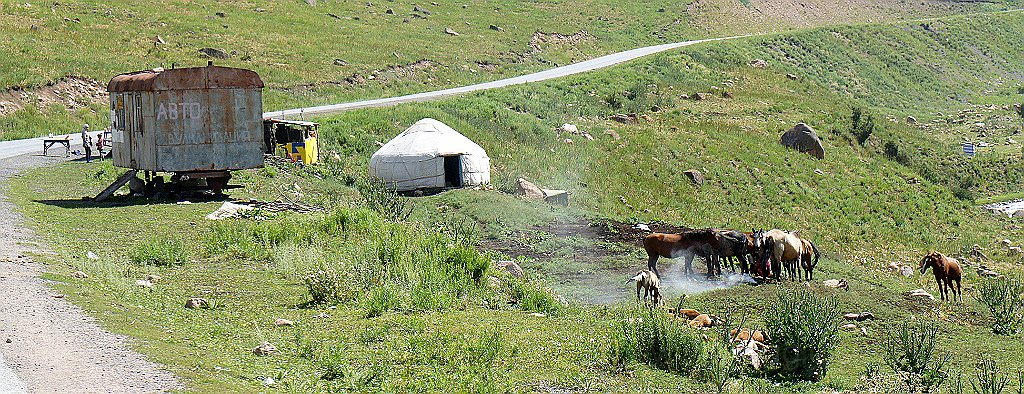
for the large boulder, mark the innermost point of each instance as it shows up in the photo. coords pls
(803, 138)
(527, 189)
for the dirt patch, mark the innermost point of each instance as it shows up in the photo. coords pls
(541, 39)
(71, 92)
(387, 74)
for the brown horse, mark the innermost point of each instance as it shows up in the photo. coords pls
(732, 244)
(687, 244)
(946, 270)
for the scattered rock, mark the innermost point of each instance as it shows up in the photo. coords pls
(283, 323)
(726, 94)
(340, 62)
(642, 227)
(144, 283)
(984, 271)
(269, 381)
(792, 77)
(264, 349)
(8, 340)
(527, 189)
(311, 2)
(569, 128)
(859, 316)
(153, 278)
(420, 10)
(215, 53)
(333, 16)
(622, 118)
(450, 32)
(538, 314)
(1015, 249)
(79, 275)
(159, 40)
(699, 96)
(919, 293)
(322, 315)
(511, 268)
(221, 14)
(911, 119)
(758, 63)
(92, 256)
(496, 28)
(907, 271)
(390, 11)
(260, 10)
(196, 303)
(695, 176)
(803, 138)
(837, 284)
(613, 134)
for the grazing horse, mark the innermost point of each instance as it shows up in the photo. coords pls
(732, 244)
(807, 263)
(781, 248)
(648, 282)
(946, 270)
(686, 244)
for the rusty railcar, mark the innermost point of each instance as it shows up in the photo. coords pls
(198, 123)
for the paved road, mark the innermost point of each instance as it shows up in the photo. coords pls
(14, 148)
(575, 68)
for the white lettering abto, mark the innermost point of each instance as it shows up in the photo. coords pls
(162, 112)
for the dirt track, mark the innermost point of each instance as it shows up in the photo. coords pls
(54, 346)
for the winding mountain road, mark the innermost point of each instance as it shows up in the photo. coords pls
(558, 72)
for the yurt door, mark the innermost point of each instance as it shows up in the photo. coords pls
(453, 171)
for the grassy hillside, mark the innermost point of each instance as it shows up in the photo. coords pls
(414, 312)
(295, 46)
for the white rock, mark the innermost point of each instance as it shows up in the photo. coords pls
(92, 256)
(144, 283)
(920, 293)
(569, 128)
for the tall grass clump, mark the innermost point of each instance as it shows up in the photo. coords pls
(160, 252)
(803, 329)
(989, 378)
(1004, 298)
(328, 286)
(382, 198)
(910, 352)
(653, 337)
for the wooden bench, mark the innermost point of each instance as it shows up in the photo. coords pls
(50, 142)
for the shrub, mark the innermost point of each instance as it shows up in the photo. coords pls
(802, 333)
(863, 125)
(159, 252)
(653, 337)
(381, 299)
(910, 352)
(382, 198)
(328, 286)
(989, 379)
(529, 296)
(1004, 299)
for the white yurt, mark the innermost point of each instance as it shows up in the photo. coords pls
(431, 155)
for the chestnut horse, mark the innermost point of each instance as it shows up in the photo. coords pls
(687, 244)
(946, 270)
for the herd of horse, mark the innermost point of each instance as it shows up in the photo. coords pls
(767, 254)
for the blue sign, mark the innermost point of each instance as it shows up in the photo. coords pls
(969, 149)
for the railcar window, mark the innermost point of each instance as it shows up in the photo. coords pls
(138, 113)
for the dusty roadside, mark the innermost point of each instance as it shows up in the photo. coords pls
(52, 345)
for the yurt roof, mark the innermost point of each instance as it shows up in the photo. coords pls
(430, 137)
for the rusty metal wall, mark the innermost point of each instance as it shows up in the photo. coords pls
(188, 130)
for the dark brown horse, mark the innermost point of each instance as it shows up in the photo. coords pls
(732, 244)
(687, 244)
(946, 270)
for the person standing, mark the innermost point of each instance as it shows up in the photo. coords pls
(99, 146)
(88, 148)
(85, 133)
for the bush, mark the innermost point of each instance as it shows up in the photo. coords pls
(802, 333)
(382, 198)
(1004, 299)
(863, 125)
(159, 252)
(656, 338)
(529, 296)
(381, 299)
(910, 352)
(328, 286)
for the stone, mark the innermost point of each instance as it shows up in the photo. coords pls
(919, 293)
(264, 349)
(311, 2)
(859, 316)
(92, 256)
(792, 77)
(144, 283)
(196, 303)
(79, 275)
(420, 10)
(527, 189)
(538, 314)
(215, 53)
(153, 278)
(803, 138)
(907, 271)
(496, 28)
(569, 128)
(695, 176)
(450, 32)
(390, 11)
(1015, 249)
(511, 268)
(727, 94)
(911, 119)
(849, 326)
(758, 63)
(340, 62)
(615, 135)
(699, 96)
(837, 284)
(622, 118)
(283, 323)
(159, 40)
(221, 14)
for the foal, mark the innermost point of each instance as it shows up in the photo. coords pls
(946, 271)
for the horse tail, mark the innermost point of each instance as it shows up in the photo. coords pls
(817, 253)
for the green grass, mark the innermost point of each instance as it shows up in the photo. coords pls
(412, 313)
